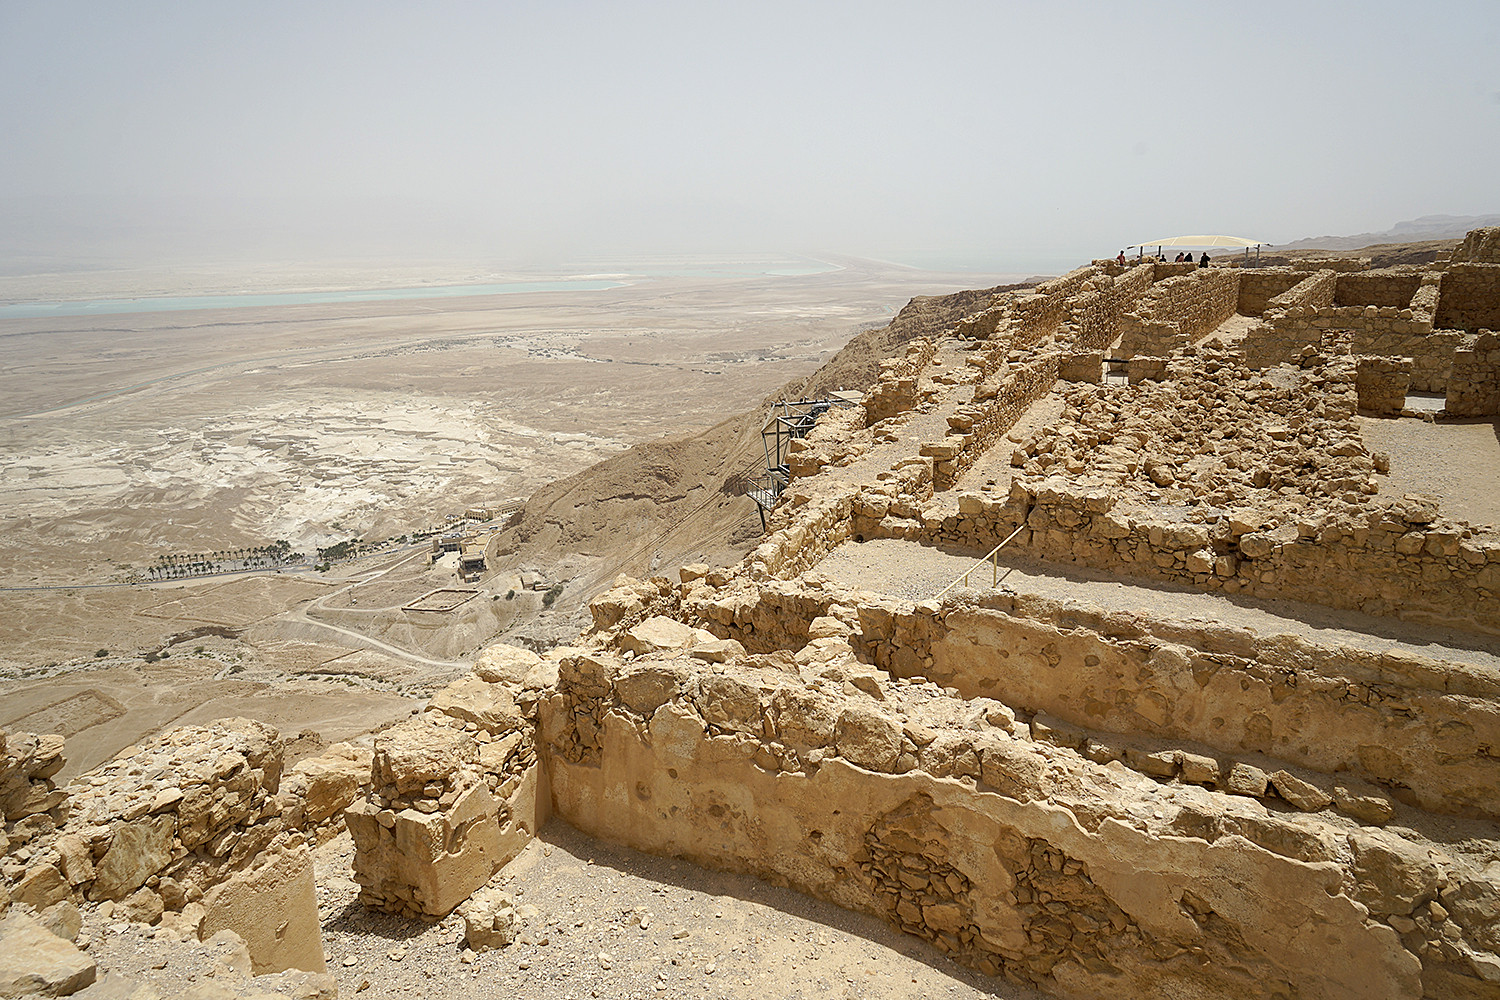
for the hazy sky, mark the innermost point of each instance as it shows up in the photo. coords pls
(1000, 133)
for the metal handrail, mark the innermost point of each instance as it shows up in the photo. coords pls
(989, 557)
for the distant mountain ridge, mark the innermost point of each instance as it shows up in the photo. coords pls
(1428, 227)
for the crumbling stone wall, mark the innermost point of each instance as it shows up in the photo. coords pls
(1430, 354)
(805, 533)
(453, 794)
(1179, 311)
(1474, 386)
(1377, 288)
(1480, 246)
(1469, 297)
(895, 390)
(1417, 727)
(1342, 265)
(997, 404)
(1093, 319)
(1397, 321)
(1401, 562)
(31, 804)
(1038, 314)
(1383, 383)
(1258, 286)
(1316, 291)
(991, 838)
(189, 822)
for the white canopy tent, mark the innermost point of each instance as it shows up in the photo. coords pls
(1202, 243)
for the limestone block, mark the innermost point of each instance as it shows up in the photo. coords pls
(646, 687)
(141, 907)
(136, 852)
(489, 706)
(41, 886)
(660, 634)
(1392, 873)
(63, 919)
(1305, 796)
(868, 737)
(1162, 764)
(825, 627)
(36, 962)
(1364, 804)
(416, 752)
(1246, 779)
(1011, 767)
(325, 785)
(1256, 545)
(502, 663)
(427, 863)
(718, 651)
(489, 920)
(274, 907)
(729, 702)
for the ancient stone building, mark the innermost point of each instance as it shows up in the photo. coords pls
(1094, 649)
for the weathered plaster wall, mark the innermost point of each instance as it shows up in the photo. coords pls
(1014, 855)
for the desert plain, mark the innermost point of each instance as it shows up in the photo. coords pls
(131, 436)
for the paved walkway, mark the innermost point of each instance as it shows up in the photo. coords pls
(913, 571)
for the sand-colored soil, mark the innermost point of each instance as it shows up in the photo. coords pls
(133, 436)
(1457, 462)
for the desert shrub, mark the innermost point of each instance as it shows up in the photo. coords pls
(552, 595)
(98, 653)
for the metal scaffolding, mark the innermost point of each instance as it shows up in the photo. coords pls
(788, 421)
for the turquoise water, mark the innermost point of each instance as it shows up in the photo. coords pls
(173, 303)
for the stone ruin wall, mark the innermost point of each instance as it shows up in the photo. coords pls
(1283, 333)
(1037, 314)
(452, 797)
(1179, 311)
(1423, 316)
(998, 404)
(1469, 298)
(1382, 384)
(801, 544)
(199, 822)
(895, 389)
(1421, 730)
(1342, 265)
(1386, 287)
(945, 815)
(1258, 286)
(1380, 565)
(1480, 246)
(1094, 311)
(1474, 385)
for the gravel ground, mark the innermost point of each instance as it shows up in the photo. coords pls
(1459, 462)
(596, 921)
(915, 572)
(605, 921)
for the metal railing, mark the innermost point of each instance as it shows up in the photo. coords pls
(989, 557)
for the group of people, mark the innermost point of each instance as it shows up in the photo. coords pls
(1182, 258)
